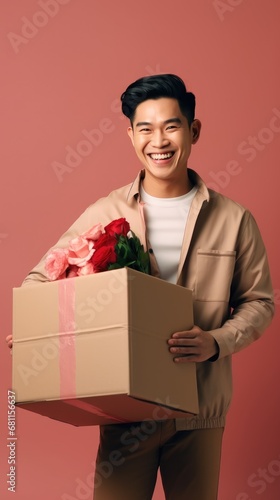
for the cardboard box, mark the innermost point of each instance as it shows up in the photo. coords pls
(93, 350)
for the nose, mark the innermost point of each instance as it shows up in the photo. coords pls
(159, 140)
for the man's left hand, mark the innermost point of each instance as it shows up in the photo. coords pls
(193, 345)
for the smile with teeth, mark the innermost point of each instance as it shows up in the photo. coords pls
(161, 156)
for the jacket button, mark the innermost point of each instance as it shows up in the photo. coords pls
(151, 250)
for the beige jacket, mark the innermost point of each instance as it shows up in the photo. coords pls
(223, 260)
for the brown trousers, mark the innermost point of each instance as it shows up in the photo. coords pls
(130, 455)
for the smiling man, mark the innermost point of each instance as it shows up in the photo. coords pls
(204, 241)
(162, 138)
(198, 239)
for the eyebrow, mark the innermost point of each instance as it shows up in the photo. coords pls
(170, 120)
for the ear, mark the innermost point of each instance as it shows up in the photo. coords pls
(195, 130)
(131, 134)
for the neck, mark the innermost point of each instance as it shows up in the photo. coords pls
(166, 188)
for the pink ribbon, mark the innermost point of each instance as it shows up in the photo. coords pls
(67, 341)
(67, 350)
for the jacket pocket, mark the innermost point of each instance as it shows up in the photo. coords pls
(214, 274)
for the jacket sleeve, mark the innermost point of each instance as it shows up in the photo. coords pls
(251, 302)
(82, 224)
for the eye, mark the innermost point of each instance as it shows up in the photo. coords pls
(144, 130)
(170, 127)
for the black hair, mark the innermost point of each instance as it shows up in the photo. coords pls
(154, 87)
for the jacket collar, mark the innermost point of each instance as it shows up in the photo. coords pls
(201, 186)
(194, 177)
(134, 189)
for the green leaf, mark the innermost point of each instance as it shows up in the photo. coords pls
(130, 253)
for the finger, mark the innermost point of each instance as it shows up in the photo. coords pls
(187, 334)
(8, 338)
(183, 350)
(189, 342)
(185, 359)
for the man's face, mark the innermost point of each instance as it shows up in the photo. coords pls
(162, 139)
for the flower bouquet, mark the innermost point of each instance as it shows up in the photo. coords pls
(100, 249)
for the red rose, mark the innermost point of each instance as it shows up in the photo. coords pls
(102, 257)
(105, 240)
(118, 226)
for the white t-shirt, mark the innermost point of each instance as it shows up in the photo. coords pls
(166, 221)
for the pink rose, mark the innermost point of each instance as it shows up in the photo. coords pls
(94, 233)
(56, 263)
(86, 269)
(80, 251)
(72, 272)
